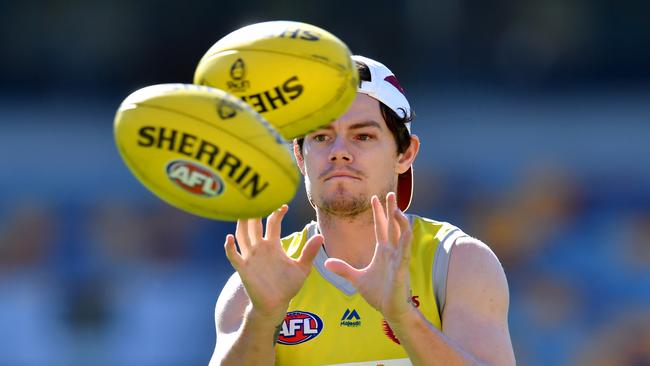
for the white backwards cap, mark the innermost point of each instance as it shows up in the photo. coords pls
(384, 87)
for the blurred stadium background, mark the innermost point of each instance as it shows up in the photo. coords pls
(534, 117)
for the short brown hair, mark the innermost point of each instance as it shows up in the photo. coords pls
(395, 123)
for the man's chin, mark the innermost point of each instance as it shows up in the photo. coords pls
(344, 205)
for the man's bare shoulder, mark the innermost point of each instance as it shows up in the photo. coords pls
(476, 312)
(475, 270)
(472, 249)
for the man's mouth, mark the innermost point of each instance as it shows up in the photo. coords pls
(347, 173)
(341, 176)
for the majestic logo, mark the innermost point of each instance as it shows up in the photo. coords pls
(238, 74)
(194, 178)
(350, 318)
(299, 327)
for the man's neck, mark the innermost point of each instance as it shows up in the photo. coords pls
(350, 239)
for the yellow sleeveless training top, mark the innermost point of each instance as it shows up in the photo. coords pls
(329, 323)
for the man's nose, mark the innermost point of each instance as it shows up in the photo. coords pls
(340, 150)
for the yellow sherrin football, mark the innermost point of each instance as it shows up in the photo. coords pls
(204, 151)
(298, 76)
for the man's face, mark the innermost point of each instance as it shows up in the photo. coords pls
(350, 160)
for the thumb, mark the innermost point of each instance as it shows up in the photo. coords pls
(342, 269)
(310, 250)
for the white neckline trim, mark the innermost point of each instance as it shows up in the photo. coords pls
(337, 281)
(319, 263)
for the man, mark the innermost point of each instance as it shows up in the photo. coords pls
(365, 284)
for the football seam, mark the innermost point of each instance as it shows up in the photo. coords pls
(316, 58)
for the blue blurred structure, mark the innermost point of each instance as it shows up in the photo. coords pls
(96, 270)
(534, 125)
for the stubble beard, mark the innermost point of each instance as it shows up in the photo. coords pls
(345, 205)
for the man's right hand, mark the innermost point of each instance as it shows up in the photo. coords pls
(270, 277)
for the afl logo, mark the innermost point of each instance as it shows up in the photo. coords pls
(299, 327)
(194, 178)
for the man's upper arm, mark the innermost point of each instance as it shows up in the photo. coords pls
(229, 315)
(476, 309)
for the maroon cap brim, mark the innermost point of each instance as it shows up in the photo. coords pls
(405, 189)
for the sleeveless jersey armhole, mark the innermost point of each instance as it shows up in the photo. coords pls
(441, 267)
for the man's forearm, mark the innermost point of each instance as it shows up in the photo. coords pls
(254, 343)
(426, 345)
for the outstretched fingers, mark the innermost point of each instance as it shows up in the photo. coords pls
(274, 222)
(310, 251)
(243, 240)
(379, 217)
(343, 269)
(255, 231)
(405, 236)
(393, 225)
(231, 252)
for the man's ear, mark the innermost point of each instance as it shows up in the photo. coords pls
(405, 159)
(298, 155)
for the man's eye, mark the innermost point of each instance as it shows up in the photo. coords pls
(320, 138)
(363, 137)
